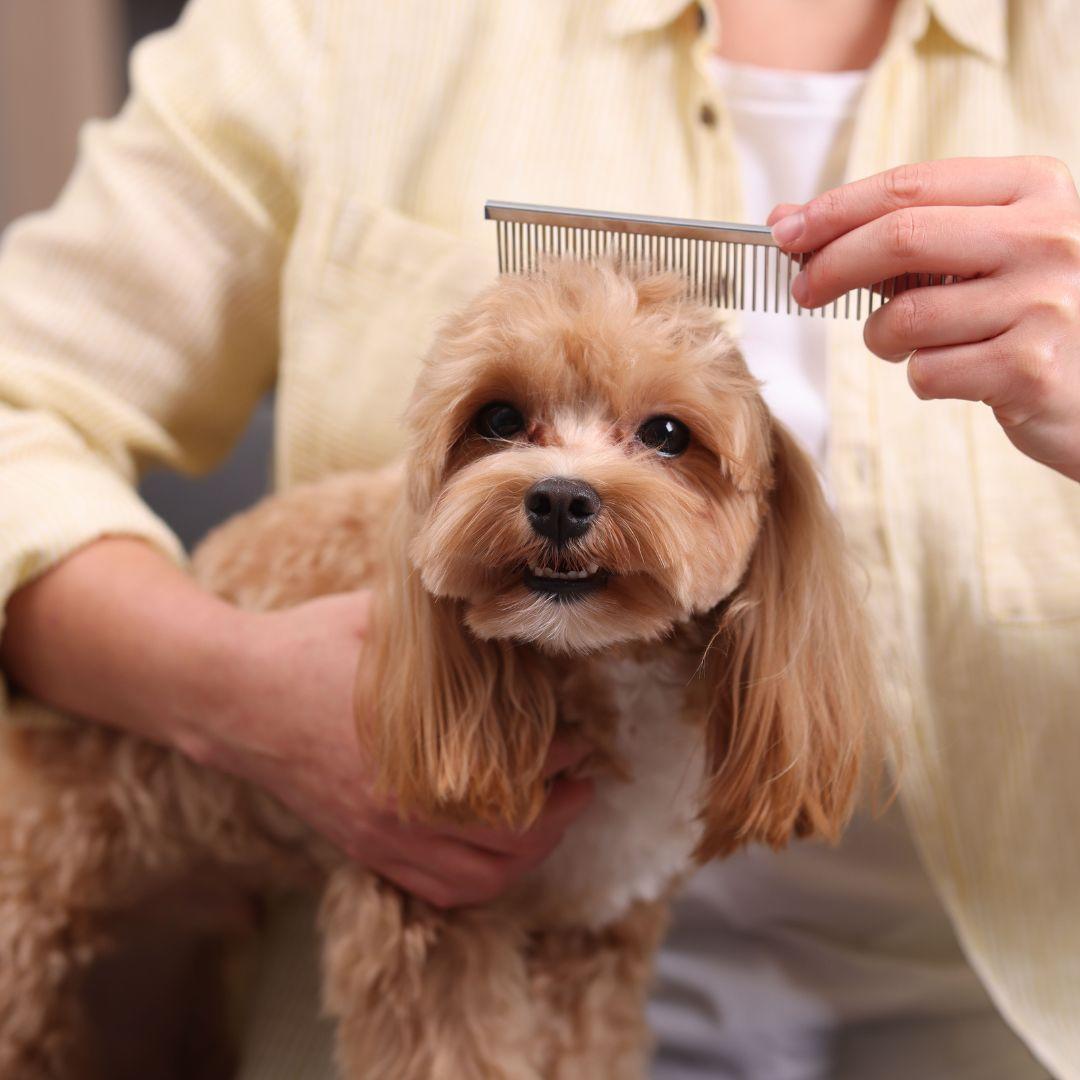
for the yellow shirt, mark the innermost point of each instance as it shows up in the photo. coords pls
(294, 194)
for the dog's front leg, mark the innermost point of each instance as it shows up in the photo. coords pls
(93, 827)
(420, 994)
(589, 990)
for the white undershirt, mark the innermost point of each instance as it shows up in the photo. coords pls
(815, 963)
(791, 131)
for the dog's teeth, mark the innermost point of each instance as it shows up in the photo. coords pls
(564, 575)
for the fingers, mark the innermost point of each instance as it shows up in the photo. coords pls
(782, 210)
(934, 316)
(458, 874)
(353, 608)
(933, 239)
(568, 798)
(456, 865)
(953, 182)
(1012, 373)
(448, 871)
(566, 753)
(565, 802)
(417, 882)
(966, 372)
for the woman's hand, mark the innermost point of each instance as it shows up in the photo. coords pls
(1009, 334)
(117, 634)
(293, 705)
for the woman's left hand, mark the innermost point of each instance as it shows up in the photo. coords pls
(1009, 334)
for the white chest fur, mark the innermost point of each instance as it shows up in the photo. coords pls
(638, 833)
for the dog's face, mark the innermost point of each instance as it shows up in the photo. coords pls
(590, 459)
(591, 463)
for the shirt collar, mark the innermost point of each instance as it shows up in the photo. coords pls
(979, 25)
(636, 16)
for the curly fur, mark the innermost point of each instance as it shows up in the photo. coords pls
(722, 675)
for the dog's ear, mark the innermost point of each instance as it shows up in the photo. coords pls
(788, 680)
(455, 727)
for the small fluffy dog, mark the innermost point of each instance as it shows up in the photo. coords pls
(599, 527)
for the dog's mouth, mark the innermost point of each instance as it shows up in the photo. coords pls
(563, 582)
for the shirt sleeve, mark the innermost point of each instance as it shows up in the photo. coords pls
(139, 316)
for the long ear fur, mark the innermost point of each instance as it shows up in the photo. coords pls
(789, 677)
(457, 727)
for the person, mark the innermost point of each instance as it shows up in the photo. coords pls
(292, 196)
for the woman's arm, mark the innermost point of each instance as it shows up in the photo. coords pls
(118, 634)
(139, 322)
(139, 315)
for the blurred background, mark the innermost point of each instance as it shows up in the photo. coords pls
(63, 62)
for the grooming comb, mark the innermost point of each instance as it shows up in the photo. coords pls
(727, 265)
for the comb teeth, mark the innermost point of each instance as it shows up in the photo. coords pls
(727, 265)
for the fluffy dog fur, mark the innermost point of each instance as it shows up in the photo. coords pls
(722, 675)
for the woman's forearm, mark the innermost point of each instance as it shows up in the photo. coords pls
(118, 634)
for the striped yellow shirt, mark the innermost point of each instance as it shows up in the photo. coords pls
(293, 195)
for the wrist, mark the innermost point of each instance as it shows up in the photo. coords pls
(214, 681)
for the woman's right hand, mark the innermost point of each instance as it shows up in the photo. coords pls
(290, 728)
(115, 633)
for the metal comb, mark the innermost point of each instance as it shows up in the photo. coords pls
(727, 265)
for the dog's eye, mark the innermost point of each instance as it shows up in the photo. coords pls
(665, 435)
(499, 421)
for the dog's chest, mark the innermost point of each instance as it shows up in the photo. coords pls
(639, 832)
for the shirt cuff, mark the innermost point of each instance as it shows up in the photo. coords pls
(50, 507)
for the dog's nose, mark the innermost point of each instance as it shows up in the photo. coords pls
(561, 509)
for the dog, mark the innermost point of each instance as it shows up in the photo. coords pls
(598, 528)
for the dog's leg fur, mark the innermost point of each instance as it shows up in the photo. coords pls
(90, 822)
(424, 995)
(590, 987)
(473, 995)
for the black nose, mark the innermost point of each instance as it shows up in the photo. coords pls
(561, 509)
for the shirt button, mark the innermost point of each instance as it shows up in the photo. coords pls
(707, 114)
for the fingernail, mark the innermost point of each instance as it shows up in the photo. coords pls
(790, 228)
(912, 374)
(798, 287)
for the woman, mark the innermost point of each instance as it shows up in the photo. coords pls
(293, 195)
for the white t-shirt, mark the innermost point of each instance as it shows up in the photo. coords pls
(816, 962)
(792, 131)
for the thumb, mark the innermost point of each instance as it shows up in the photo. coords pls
(781, 210)
(353, 609)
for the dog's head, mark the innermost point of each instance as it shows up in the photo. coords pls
(591, 463)
(590, 460)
